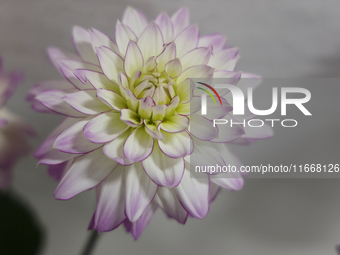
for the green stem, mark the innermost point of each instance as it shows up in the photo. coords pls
(91, 242)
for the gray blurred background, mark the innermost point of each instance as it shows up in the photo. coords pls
(277, 39)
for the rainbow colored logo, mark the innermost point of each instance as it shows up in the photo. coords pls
(209, 93)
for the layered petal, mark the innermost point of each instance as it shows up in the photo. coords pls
(163, 170)
(130, 118)
(175, 124)
(173, 68)
(110, 62)
(202, 128)
(54, 100)
(153, 129)
(228, 133)
(168, 201)
(151, 42)
(176, 145)
(84, 173)
(133, 61)
(198, 56)
(114, 149)
(135, 20)
(123, 35)
(104, 128)
(217, 41)
(164, 23)
(215, 110)
(55, 157)
(138, 146)
(110, 210)
(57, 171)
(69, 69)
(111, 99)
(96, 79)
(72, 139)
(136, 228)
(205, 154)
(193, 194)
(180, 20)
(224, 60)
(187, 40)
(139, 191)
(185, 91)
(228, 180)
(200, 71)
(231, 181)
(145, 107)
(61, 85)
(168, 54)
(99, 39)
(56, 53)
(83, 44)
(46, 146)
(86, 102)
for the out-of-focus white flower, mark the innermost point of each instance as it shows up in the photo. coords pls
(128, 105)
(14, 132)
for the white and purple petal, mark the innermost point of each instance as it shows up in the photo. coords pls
(167, 200)
(86, 102)
(123, 35)
(104, 128)
(217, 41)
(175, 124)
(110, 62)
(180, 20)
(83, 44)
(163, 170)
(139, 191)
(114, 149)
(54, 100)
(47, 145)
(72, 139)
(135, 20)
(202, 128)
(110, 209)
(85, 173)
(136, 228)
(193, 194)
(138, 146)
(187, 40)
(176, 145)
(133, 61)
(164, 23)
(111, 99)
(150, 41)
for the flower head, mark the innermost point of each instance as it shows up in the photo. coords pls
(129, 105)
(14, 132)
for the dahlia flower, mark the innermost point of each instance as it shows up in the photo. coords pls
(14, 132)
(126, 131)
